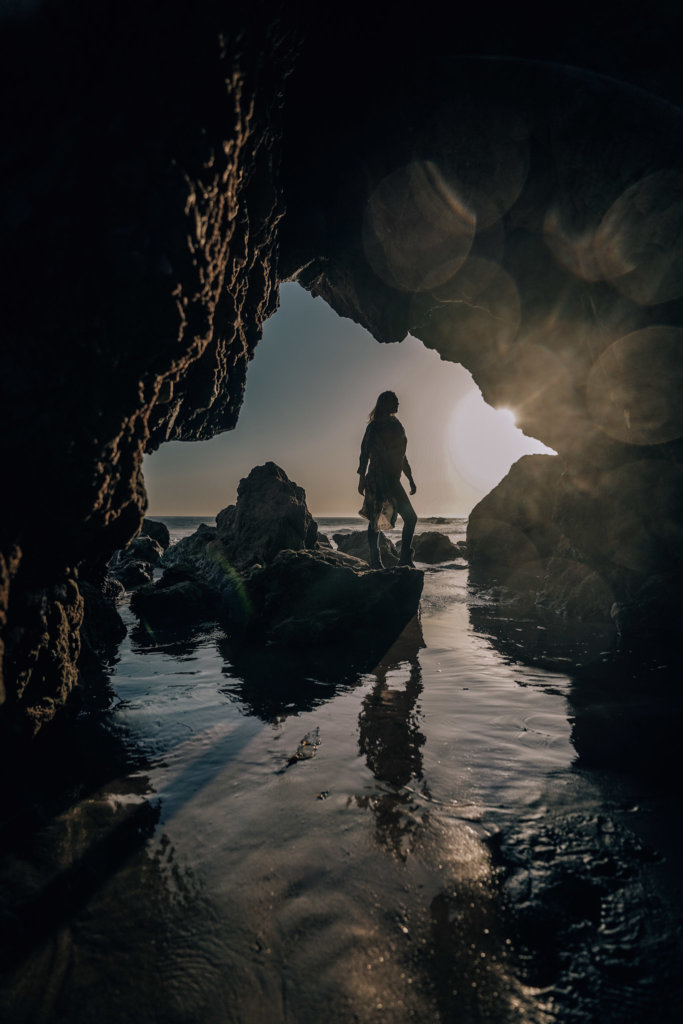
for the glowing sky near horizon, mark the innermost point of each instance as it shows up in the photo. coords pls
(312, 382)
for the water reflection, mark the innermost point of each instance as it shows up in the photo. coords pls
(272, 682)
(391, 741)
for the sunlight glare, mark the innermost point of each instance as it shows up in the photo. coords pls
(484, 442)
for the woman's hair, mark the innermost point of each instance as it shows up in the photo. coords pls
(387, 403)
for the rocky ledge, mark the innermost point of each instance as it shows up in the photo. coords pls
(263, 572)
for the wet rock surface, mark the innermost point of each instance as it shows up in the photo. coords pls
(356, 544)
(436, 547)
(178, 598)
(585, 923)
(314, 597)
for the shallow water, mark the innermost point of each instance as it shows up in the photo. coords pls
(433, 840)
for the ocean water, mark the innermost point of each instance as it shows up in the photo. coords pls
(433, 838)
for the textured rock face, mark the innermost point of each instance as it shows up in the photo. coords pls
(270, 515)
(140, 205)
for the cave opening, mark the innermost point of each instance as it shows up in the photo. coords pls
(310, 386)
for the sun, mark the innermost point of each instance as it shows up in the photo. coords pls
(484, 442)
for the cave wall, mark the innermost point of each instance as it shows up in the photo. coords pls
(139, 217)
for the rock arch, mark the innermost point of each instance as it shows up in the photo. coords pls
(522, 219)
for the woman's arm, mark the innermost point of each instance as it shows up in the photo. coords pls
(408, 472)
(364, 456)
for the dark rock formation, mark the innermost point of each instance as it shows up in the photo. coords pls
(157, 531)
(513, 528)
(202, 572)
(136, 563)
(305, 598)
(143, 549)
(103, 628)
(356, 543)
(270, 515)
(262, 571)
(178, 598)
(587, 543)
(132, 572)
(191, 551)
(435, 547)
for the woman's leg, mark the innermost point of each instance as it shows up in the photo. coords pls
(409, 517)
(373, 543)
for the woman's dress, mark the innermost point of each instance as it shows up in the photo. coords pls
(382, 460)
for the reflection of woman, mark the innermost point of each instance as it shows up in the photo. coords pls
(384, 448)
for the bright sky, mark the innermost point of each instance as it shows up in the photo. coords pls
(312, 383)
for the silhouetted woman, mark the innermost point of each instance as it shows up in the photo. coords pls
(382, 460)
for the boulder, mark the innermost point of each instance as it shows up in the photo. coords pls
(512, 529)
(132, 572)
(270, 515)
(306, 598)
(179, 597)
(134, 565)
(157, 531)
(356, 544)
(435, 547)
(142, 549)
(191, 551)
(532, 535)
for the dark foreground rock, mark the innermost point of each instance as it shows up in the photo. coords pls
(435, 547)
(356, 544)
(313, 597)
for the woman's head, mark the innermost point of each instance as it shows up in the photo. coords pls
(387, 403)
